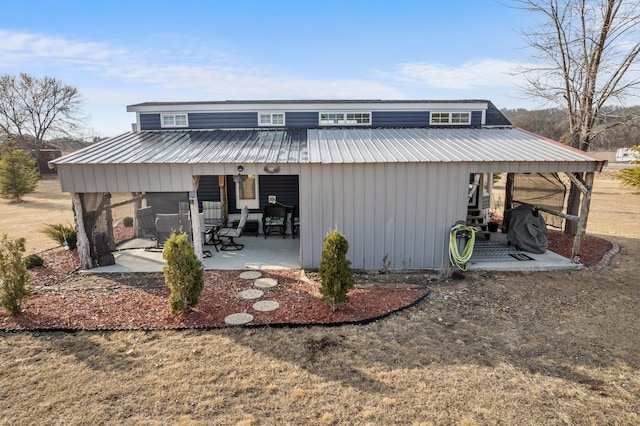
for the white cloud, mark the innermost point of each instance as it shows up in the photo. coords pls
(469, 75)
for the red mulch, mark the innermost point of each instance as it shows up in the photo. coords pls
(66, 299)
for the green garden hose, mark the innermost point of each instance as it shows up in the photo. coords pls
(469, 233)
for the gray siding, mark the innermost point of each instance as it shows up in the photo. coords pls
(400, 118)
(409, 227)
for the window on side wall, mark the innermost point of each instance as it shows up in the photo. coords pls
(174, 120)
(345, 118)
(457, 118)
(247, 193)
(271, 119)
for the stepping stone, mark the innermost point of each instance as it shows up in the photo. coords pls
(251, 294)
(266, 305)
(250, 275)
(238, 319)
(265, 283)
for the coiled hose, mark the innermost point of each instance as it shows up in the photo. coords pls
(461, 229)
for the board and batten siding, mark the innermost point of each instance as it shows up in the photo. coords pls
(400, 212)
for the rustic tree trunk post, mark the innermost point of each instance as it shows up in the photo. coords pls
(196, 229)
(584, 215)
(508, 197)
(109, 220)
(136, 206)
(83, 245)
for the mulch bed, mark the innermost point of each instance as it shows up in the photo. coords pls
(65, 299)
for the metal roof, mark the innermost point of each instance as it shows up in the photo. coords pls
(295, 146)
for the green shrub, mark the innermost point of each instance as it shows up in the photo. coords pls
(629, 177)
(335, 270)
(15, 287)
(183, 273)
(61, 233)
(127, 222)
(32, 261)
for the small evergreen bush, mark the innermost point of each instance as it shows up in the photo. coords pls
(127, 222)
(18, 173)
(183, 273)
(335, 270)
(32, 261)
(14, 277)
(61, 233)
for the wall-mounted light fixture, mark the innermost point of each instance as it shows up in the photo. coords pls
(239, 178)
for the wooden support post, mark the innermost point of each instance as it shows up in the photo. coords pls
(137, 204)
(83, 245)
(508, 197)
(584, 215)
(109, 220)
(196, 229)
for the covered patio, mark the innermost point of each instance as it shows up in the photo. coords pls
(278, 253)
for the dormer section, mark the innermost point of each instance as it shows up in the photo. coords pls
(316, 114)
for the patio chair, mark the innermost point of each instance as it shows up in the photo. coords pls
(231, 233)
(168, 223)
(274, 218)
(295, 222)
(146, 223)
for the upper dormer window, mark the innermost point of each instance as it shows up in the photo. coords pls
(271, 119)
(345, 118)
(450, 118)
(174, 120)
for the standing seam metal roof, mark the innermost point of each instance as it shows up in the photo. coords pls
(295, 146)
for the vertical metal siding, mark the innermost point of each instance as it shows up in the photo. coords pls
(403, 211)
(400, 118)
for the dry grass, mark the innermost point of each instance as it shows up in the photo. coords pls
(27, 218)
(526, 349)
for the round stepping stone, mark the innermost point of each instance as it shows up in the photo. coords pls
(265, 282)
(266, 305)
(238, 319)
(250, 275)
(251, 294)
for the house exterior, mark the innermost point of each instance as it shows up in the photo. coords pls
(392, 176)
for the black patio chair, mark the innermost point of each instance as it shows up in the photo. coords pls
(231, 233)
(274, 218)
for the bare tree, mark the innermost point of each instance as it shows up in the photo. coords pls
(587, 53)
(32, 108)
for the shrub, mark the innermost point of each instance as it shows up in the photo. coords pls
(629, 177)
(183, 273)
(127, 222)
(18, 173)
(335, 270)
(15, 287)
(61, 233)
(32, 261)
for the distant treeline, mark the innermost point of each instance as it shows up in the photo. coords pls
(553, 124)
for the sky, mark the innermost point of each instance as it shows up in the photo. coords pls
(119, 53)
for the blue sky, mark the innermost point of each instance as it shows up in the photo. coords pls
(119, 53)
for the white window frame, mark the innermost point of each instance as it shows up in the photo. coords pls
(344, 118)
(173, 119)
(271, 121)
(453, 118)
(251, 203)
